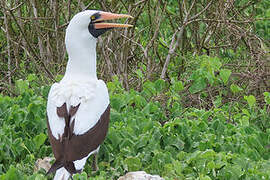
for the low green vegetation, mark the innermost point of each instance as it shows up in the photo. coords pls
(152, 129)
(189, 87)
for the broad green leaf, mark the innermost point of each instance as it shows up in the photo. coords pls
(250, 99)
(215, 63)
(218, 101)
(31, 77)
(39, 140)
(117, 102)
(178, 86)
(211, 165)
(21, 86)
(140, 74)
(208, 154)
(149, 88)
(114, 137)
(267, 97)
(111, 86)
(159, 85)
(37, 177)
(204, 177)
(13, 173)
(198, 85)
(225, 74)
(244, 121)
(211, 63)
(174, 141)
(235, 89)
(59, 77)
(140, 101)
(80, 176)
(142, 141)
(133, 163)
(181, 155)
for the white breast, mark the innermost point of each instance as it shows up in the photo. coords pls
(92, 95)
(73, 92)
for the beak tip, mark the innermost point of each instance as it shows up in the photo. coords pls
(111, 16)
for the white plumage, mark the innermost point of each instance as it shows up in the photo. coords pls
(78, 86)
(81, 90)
(91, 95)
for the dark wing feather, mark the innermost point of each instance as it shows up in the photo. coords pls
(71, 147)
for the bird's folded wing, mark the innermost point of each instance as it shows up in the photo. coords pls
(79, 146)
(87, 115)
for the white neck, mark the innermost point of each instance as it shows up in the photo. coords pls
(81, 49)
(82, 62)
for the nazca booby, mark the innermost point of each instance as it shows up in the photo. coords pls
(78, 107)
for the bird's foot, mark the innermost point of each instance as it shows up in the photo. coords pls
(94, 163)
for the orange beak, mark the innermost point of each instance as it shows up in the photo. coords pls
(99, 24)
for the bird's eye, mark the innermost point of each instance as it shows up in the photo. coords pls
(93, 18)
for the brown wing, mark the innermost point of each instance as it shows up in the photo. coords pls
(79, 146)
(70, 147)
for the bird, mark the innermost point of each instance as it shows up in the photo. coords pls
(78, 106)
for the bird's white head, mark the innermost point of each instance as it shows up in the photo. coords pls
(81, 37)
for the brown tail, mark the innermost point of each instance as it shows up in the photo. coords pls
(69, 166)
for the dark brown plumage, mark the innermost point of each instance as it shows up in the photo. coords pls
(70, 147)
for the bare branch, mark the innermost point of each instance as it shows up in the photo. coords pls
(202, 11)
(6, 22)
(29, 45)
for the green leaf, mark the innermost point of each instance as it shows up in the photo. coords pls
(235, 88)
(218, 101)
(250, 99)
(31, 77)
(181, 155)
(174, 141)
(246, 112)
(149, 87)
(59, 77)
(225, 74)
(81, 176)
(13, 173)
(21, 86)
(114, 137)
(139, 73)
(215, 63)
(39, 140)
(133, 163)
(159, 85)
(211, 165)
(205, 177)
(117, 102)
(210, 77)
(267, 97)
(198, 85)
(244, 121)
(178, 86)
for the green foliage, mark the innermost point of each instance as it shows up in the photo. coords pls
(225, 74)
(267, 97)
(235, 88)
(251, 100)
(186, 143)
(23, 128)
(209, 72)
(204, 120)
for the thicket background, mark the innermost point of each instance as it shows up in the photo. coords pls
(166, 37)
(202, 54)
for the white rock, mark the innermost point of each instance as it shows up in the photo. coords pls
(43, 164)
(139, 175)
